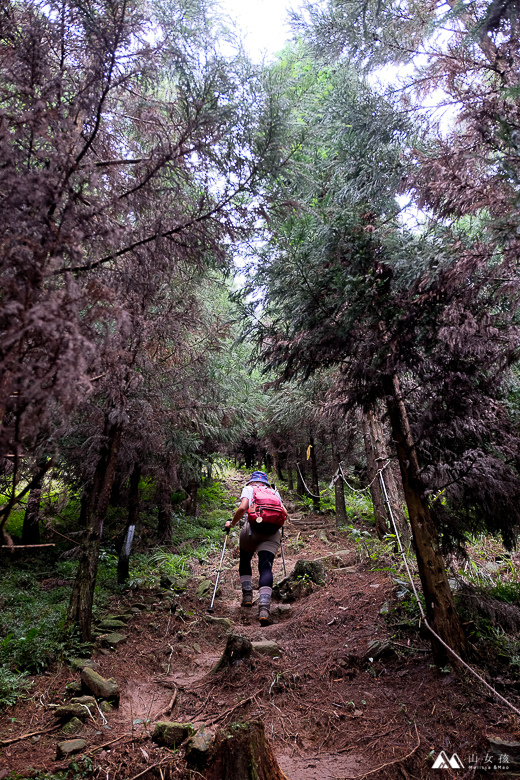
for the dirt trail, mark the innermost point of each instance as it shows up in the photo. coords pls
(334, 705)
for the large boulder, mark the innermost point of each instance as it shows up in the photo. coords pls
(124, 618)
(72, 726)
(67, 711)
(205, 589)
(266, 647)
(112, 640)
(88, 700)
(111, 625)
(81, 663)
(508, 753)
(311, 570)
(99, 686)
(302, 580)
(71, 746)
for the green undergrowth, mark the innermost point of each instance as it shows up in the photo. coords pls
(35, 588)
(58, 504)
(358, 504)
(80, 768)
(12, 686)
(33, 631)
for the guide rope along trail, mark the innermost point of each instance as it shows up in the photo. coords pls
(340, 475)
(379, 475)
(423, 616)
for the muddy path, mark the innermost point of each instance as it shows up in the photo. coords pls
(342, 696)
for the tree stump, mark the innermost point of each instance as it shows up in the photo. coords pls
(300, 582)
(238, 648)
(242, 752)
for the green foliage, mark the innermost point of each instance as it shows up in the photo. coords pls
(327, 502)
(192, 537)
(15, 521)
(405, 613)
(509, 592)
(359, 505)
(12, 686)
(212, 496)
(32, 622)
(33, 630)
(504, 646)
(305, 502)
(146, 569)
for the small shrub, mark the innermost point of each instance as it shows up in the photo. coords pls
(13, 685)
(509, 592)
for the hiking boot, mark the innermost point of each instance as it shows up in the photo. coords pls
(264, 602)
(247, 598)
(264, 615)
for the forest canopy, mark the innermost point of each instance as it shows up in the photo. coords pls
(143, 156)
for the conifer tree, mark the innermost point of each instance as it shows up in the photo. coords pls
(404, 316)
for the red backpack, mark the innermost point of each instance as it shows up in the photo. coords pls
(265, 507)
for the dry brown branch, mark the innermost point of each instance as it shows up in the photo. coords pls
(390, 763)
(106, 744)
(166, 710)
(25, 546)
(236, 707)
(152, 766)
(4, 742)
(54, 531)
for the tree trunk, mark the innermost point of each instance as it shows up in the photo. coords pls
(440, 607)
(290, 478)
(339, 487)
(242, 752)
(15, 497)
(96, 504)
(314, 472)
(375, 487)
(378, 445)
(31, 520)
(123, 564)
(192, 490)
(392, 492)
(249, 454)
(164, 507)
(277, 465)
(116, 494)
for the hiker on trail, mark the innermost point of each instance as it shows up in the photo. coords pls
(261, 533)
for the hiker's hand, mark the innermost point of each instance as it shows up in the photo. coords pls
(227, 526)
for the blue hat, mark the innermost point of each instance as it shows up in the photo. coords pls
(259, 476)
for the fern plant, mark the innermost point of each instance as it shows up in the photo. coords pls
(12, 686)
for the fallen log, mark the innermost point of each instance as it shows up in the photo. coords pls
(24, 546)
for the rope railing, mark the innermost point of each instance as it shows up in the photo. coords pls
(340, 475)
(423, 615)
(379, 475)
(312, 495)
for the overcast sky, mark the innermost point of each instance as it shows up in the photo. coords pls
(262, 23)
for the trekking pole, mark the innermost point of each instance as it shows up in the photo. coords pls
(283, 556)
(219, 570)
